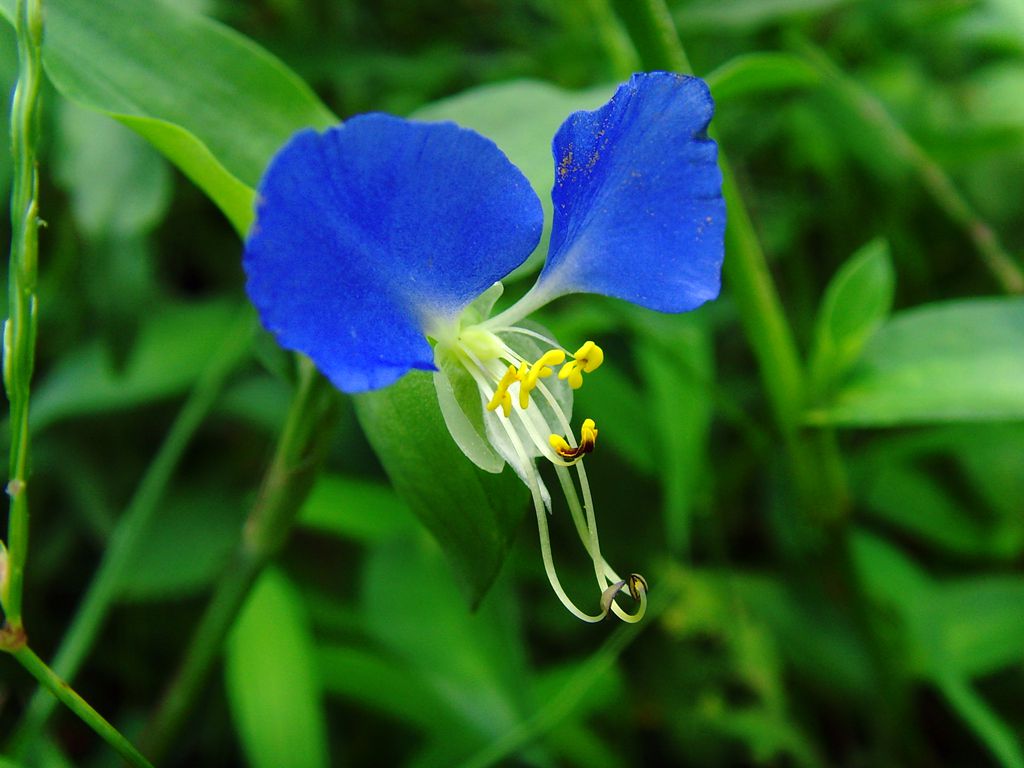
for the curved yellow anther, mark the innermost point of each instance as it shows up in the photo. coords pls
(587, 359)
(539, 370)
(588, 439)
(501, 395)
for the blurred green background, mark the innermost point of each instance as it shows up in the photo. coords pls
(871, 614)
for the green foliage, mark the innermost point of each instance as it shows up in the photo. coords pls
(877, 624)
(955, 361)
(272, 683)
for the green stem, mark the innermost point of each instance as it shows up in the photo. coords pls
(817, 467)
(619, 48)
(986, 242)
(55, 685)
(286, 484)
(20, 330)
(132, 524)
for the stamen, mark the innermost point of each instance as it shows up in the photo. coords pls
(539, 370)
(588, 439)
(587, 359)
(501, 395)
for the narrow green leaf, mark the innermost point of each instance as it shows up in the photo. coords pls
(272, 682)
(856, 304)
(950, 361)
(215, 103)
(757, 73)
(472, 514)
(995, 733)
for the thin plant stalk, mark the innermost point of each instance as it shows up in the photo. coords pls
(102, 591)
(19, 358)
(62, 691)
(286, 484)
(20, 328)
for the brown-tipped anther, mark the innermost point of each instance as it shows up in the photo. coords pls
(637, 585)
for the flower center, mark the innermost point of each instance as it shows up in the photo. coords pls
(526, 415)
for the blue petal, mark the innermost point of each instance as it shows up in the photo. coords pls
(372, 233)
(639, 213)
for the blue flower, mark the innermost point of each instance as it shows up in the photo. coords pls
(379, 245)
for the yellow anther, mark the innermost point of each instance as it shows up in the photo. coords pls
(587, 359)
(501, 395)
(588, 439)
(539, 370)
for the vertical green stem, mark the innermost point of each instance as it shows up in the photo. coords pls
(619, 48)
(49, 680)
(286, 484)
(20, 329)
(95, 605)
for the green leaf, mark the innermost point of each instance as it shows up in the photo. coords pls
(184, 548)
(171, 349)
(215, 103)
(521, 117)
(354, 509)
(856, 304)
(272, 682)
(950, 361)
(756, 73)
(472, 514)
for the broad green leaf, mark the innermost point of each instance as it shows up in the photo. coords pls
(521, 117)
(757, 73)
(171, 348)
(856, 304)
(472, 514)
(215, 103)
(354, 509)
(950, 361)
(184, 547)
(272, 682)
